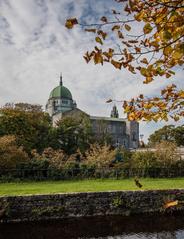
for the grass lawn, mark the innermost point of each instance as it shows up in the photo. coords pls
(46, 187)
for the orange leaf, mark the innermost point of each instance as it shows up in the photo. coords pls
(116, 64)
(148, 80)
(171, 204)
(144, 60)
(98, 58)
(70, 23)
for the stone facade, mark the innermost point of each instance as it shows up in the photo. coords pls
(57, 206)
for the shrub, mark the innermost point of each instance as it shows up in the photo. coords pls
(99, 156)
(11, 155)
(166, 153)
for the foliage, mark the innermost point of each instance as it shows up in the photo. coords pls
(31, 127)
(166, 153)
(165, 156)
(99, 156)
(10, 154)
(73, 133)
(153, 52)
(179, 135)
(168, 133)
(144, 159)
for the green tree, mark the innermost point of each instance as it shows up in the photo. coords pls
(30, 127)
(154, 51)
(165, 133)
(73, 133)
(168, 133)
(178, 134)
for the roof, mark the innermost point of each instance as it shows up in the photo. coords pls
(60, 92)
(108, 118)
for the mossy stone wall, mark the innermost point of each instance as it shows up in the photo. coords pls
(56, 206)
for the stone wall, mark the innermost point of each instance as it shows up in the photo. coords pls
(56, 206)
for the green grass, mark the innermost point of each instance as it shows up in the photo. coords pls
(50, 187)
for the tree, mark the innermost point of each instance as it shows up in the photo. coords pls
(154, 52)
(168, 133)
(73, 133)
(11, 155)
(24, 107)
(178, 134)
(165, 133)
(30, 127)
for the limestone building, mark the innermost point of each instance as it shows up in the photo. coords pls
(122, 132)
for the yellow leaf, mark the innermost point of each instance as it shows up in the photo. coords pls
(145, 72)
(127, 27)
(131, 116)
(148, 80)
(177, 55)
(147, 28)
(181, 94)
(139, 16)
(148, 106)
(70, 23)
(99, 40)
(168, 50)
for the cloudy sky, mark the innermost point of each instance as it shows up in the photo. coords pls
(35, 47)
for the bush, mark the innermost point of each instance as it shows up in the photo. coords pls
(11, 155)
(99, 156)
(166, 154)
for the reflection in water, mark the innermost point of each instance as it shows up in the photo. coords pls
(137, 227)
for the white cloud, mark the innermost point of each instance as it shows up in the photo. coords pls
(35, 47)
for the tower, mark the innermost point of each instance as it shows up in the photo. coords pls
(114, 112)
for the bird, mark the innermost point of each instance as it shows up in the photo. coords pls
(137, 183)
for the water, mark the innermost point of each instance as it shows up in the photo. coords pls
(137, 227)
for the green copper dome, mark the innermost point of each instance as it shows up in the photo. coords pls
(60, 92)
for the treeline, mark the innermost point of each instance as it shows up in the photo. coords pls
(32, 129)
(30, 147)
(97, 161)
(168, 133)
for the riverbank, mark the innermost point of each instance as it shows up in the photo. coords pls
(90, 204)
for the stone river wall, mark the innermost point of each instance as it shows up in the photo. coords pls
(57, 206)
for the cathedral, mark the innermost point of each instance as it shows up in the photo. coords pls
(122, 132)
